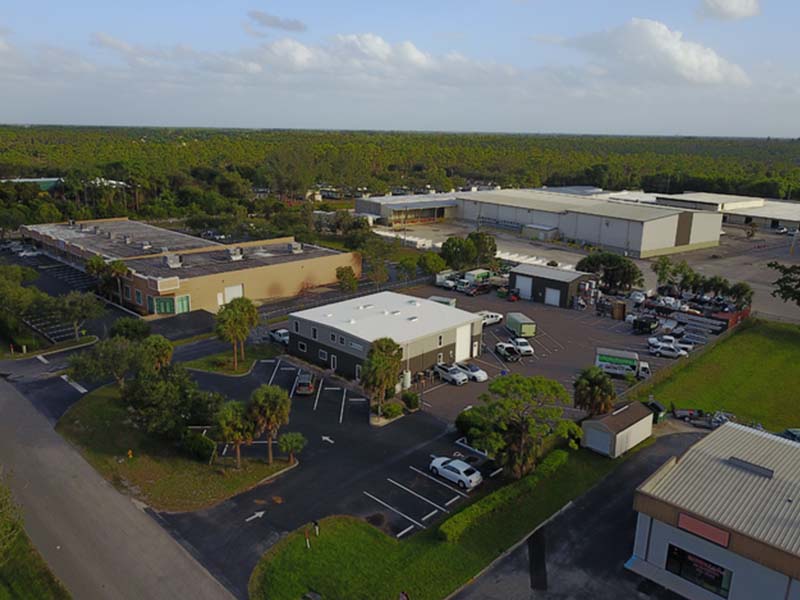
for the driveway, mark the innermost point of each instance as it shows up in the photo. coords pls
(95, 540)
(348, 467)
(586, 546)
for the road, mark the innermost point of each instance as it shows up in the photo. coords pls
(95, 540)
(586, 545)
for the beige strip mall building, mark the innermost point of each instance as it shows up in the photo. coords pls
(171, 272)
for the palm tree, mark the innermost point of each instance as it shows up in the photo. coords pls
(246, 316)
(292, 443)
(742, 294)
(97, 268)
(229, 329)
(116, 270)
(382, 369)
(157, 351)
(269, 409)
(234, 427)
(594, 391)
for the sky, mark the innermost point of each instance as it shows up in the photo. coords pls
(661, 67)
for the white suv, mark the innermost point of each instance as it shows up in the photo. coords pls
(451, 374)
(522, 345)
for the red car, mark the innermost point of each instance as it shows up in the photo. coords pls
(477, 290)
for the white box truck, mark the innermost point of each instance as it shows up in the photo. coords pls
(618, 363)
(520, 325)
(477, 276)
(446, 279)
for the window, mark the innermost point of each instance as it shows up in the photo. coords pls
(356, 346)
(358, 372)
(302, 346)
(341, 340)
(439, 358)
(333, 337)
(313, 333)
(699, 571)
(297, 326)
(323, 355)
(441, 341)
(126, 290)
(138, 297)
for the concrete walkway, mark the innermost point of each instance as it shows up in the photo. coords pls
(95, 540)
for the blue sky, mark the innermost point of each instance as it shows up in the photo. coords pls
(716, 67)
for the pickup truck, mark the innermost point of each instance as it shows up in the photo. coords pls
(507, 352)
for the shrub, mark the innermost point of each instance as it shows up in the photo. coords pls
(552, 263)
(503, 499)
(410, 399)
(390, 410)
(199, 446)
(468, 420)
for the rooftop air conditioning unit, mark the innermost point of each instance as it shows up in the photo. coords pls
(173, 261)
(146, 245)
(235, 253)
(128, 239)
(295, 247)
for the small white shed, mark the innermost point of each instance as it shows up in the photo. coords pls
(620, 430)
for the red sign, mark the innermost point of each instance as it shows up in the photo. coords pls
(704, 530)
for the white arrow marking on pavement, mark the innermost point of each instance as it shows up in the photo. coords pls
(325, 438)
(42, 359)
(255, 515)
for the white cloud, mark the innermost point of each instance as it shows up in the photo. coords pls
(643, 49)
(269, 21)
(730, 9)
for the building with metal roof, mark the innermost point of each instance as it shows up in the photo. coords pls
(638, 229)
(551, 285)
(339, 335)
(620, 430)
(723, 519)
(739, 210)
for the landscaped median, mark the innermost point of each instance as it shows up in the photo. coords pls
(223, 361)
(352, 559)
(752, 374)
(157, 472)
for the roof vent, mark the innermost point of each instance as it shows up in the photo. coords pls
(128, 239)
(751, 467)
(109, 235)
(621, 409)
(164, 249)
(329, 315)
(413, 302)
(173, 261)
(395, 312)
(413, 318)
(146, 245)
(235, 253)
(295, 248)
(352, 321)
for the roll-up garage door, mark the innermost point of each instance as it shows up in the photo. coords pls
(233, 291)
(463, 342)
(599, 441)
(525, 287)
(552, 296)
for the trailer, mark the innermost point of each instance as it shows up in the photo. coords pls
(621, 363)
(520, 325)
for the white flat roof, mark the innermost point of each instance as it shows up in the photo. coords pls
(772, 209)
(743, 479)
(388, 314)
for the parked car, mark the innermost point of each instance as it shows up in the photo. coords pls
(522, 346)
(668, 351)
(450, 374)
(472, 371)
(489, 317)
(280, 336)
(306, 384)
(478, 289)
(782, 230)
(669, 340)
(507, 352)
(687, 414)
(457, 471)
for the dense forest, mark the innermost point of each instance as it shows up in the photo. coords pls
(208, 175)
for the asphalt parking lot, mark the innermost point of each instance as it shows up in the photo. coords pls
(348, 467)
(564, 344)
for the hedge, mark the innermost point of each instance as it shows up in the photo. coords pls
(455, 527)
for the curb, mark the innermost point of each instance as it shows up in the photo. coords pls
(508, 551)
(248, 372)
(48, 353)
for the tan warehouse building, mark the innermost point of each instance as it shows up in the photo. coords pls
(171, 272)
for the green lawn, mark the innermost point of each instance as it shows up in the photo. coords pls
(158, 474)
(25, 576)
(752, 374)
(351, 559)
(223, 362)
(194, 338)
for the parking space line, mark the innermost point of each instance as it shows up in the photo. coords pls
(413, 493)
(429, 515)
(294, 385)
(288, 368)
(496, 472)
(428, 404)
(74, 384)
(453, 499)
(405, 531)
(225, 450)
(274, 371)
(267, 360)
(356, 399)
(436, 387)
(332, 389)
(448, 486)
(341, 410)
(42, 359)
(394, 510)
(319, 389)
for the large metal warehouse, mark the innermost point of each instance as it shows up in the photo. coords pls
(339, 336)
(739, 210)
(639, 230)
(722, 520)
(549, 285)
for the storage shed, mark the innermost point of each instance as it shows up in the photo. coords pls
(550, 285)
(617, 432)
